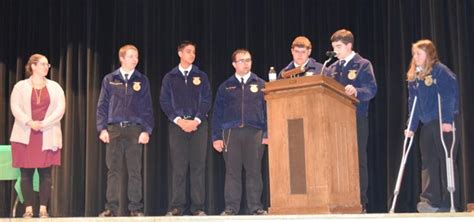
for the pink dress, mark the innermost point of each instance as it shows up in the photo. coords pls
(31, 155)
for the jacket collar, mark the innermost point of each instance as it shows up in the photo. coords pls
(136, 74)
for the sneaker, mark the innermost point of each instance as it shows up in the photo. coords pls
(173, 212)
(199, 213)
(137, 213)
(425, 207)
(107, 213)
(260, 212)
(228, 212)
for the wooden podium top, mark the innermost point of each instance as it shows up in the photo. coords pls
(306, 82)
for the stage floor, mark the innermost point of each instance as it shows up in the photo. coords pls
(403, 217)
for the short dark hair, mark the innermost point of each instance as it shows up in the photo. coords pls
(343, 35)
(185, 43)
(239, 51)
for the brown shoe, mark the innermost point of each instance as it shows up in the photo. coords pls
(199, 213)
(43, 214)
(107, 213)
(260, 212)
(174, 212)
(228, 212)
(28, 214)
(137, 213)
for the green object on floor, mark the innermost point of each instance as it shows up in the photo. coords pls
(7, 172)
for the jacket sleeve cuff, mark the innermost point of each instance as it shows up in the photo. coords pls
(448, 119)
(216, 137)
(149, 130)
(197, 119)
(175, 120)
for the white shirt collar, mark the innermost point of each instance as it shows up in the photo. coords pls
(349, 58)
(246, 77)
(181, 69)
(122, 71)
(296, 65)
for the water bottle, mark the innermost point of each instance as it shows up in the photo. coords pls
(272, 75)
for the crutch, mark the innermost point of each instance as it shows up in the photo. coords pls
(449, 157)
(406, 151)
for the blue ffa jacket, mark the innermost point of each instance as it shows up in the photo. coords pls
(125, 101)
(311, 66)
(359, 73)
(239, 105)
(443, 82)
(186, 97)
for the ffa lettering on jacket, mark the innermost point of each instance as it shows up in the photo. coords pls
(122, 100)
(238, 105)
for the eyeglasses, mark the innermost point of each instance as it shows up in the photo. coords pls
(43, 64)
(242, 61)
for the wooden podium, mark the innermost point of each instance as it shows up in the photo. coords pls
(312, 151)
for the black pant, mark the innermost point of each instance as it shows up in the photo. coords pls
(362, 136)
(27, 185)
(243, 148)
(433, 172)
(124, 141)
(188, 150)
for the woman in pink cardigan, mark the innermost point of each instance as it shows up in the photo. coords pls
(38, 105)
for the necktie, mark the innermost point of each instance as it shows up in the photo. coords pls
(339, 69)
(126, 83)
(186, 77)
(242, 81)
(342, 62)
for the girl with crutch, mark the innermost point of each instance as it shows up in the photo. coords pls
(436, 89)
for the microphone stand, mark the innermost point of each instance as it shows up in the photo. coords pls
(324, 65)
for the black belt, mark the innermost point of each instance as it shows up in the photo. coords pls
(187, 117)
(124, 124)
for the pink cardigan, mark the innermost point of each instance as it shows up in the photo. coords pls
(20, 103)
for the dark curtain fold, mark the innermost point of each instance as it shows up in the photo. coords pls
(81, 39)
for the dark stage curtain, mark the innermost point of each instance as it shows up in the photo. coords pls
(81, 39)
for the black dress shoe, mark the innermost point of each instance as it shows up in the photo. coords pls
(260, 212)
(107, 213)
(174, 212)
(137, 213)
(228, 212)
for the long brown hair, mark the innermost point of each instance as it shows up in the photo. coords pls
(33, 60)
(431, 58)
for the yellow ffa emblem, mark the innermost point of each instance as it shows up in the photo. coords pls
(196, 81)
(352, 74)
(254, 88)
(136, 86)
(428, 80)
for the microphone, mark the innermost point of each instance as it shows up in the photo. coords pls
(331, 53)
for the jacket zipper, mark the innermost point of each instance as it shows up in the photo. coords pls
(242, 118)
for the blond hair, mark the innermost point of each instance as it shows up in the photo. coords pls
(301, 42)
(124, 49)
(431, 58)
